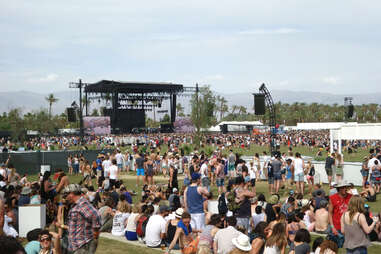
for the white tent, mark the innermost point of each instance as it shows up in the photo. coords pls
(355, 132)
(321, 125)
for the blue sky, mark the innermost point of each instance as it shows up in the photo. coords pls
(326, 46)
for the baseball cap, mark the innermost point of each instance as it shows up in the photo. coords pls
(164, 208)
(195, 176)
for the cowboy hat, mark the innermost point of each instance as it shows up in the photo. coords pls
(242, 242)
(342, 183)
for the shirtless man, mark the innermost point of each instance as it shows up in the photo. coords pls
(63, 180)
(322, 218)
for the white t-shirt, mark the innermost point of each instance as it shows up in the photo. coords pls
(252, 172)
(204, 170)
(119, 158)
(113, 172)
(298, 166)
(3, 172)
(118, 223)
(106, 164)
(155, 226)
(131, 225)
(371, 164)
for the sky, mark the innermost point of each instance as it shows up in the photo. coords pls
(233, 46)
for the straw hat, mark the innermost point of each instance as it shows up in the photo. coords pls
(179, 212)
(242, 242)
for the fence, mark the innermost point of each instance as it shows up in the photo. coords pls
(30, 162)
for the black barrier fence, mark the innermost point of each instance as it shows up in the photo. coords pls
(30, 162)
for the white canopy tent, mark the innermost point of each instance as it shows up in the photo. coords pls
(355, 132)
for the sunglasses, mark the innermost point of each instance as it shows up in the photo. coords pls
(47, 239)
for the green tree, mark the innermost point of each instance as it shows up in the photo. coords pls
(180, 110)
(95, 112)
(203, 107)
(51, 100)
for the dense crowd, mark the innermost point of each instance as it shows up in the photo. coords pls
(179, 215)
(317, 139)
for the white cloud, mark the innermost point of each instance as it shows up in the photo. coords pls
(269, 31)
(332, 80)
(46, 79)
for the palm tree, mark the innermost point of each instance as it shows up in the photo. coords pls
(51, 99)
(222, 106)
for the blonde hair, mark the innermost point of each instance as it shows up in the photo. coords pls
(135, 209)
(355, 205)
(278, 236)
(123, 207)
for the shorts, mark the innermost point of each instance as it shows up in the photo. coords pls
(271, 180)
(140, 172)
(339, 171)
(364, 173)
(205, 181)
(231, 167)
(328, 171)
(277, 176)
(198, 220)
(299, 177)
(310, 177)
(220, 182)
(120, 166)
(283, 171)
(375, 180)
(252, 182)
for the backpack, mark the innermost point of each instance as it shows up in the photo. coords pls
(222, 207)
(232, 205)
(312, 171)
(141, 225)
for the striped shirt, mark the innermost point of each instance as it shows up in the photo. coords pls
(83, 219)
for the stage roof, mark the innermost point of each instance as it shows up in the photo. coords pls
(109, 86)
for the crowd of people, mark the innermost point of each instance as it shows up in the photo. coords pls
(176, 213)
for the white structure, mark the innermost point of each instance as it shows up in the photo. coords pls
(31, 217)
(321, 125)
(354, 131)
(235, 125)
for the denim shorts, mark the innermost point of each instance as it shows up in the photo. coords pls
(358, 250)
(271, 180)
(220, 182)
(278, 176)
(364, 172)
(299, 177)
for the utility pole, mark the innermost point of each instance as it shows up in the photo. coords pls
(79, 85)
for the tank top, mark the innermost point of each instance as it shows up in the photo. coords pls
(298, 165)
(206, 236)
(354, 235)
(258, 218)
(131, 226)
(194, 200)
(171, 231)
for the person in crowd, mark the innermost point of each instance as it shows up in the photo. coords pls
(369, 193)
(194, 200)
(173, 182)
(130, 231)
(310, 173)
(171, 227)
(322, 218)
(220, 176)
(298, 171)
(329, 164)
(206, 236)
(241, 245)
(33, 246)
(156, 228)
(84, 222)
(11, 244)
(149, 170)
(139, 165)
(174, 200)
(277, 168)
(302, 242)
(339, 166)
(47, 190)
(47, 247)
(364, 170)
(184, 234)
(122, 213)
(355, 227)
(106, 214)
(62, 180)
(24, 198)
(328, 247)
(243, 195)
(338, 204)
(258, 238)
(258, 216)
(277, 241)
(316, 245)
(222, 243)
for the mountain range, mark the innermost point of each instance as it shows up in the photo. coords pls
(30, 101)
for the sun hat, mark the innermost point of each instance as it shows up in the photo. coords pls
(174, 190)
(342, 183)
(273, 199)
(305, 202)
(26, 190)
(242, 242)
(179, 212)
(333, 184)
(72, 188)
